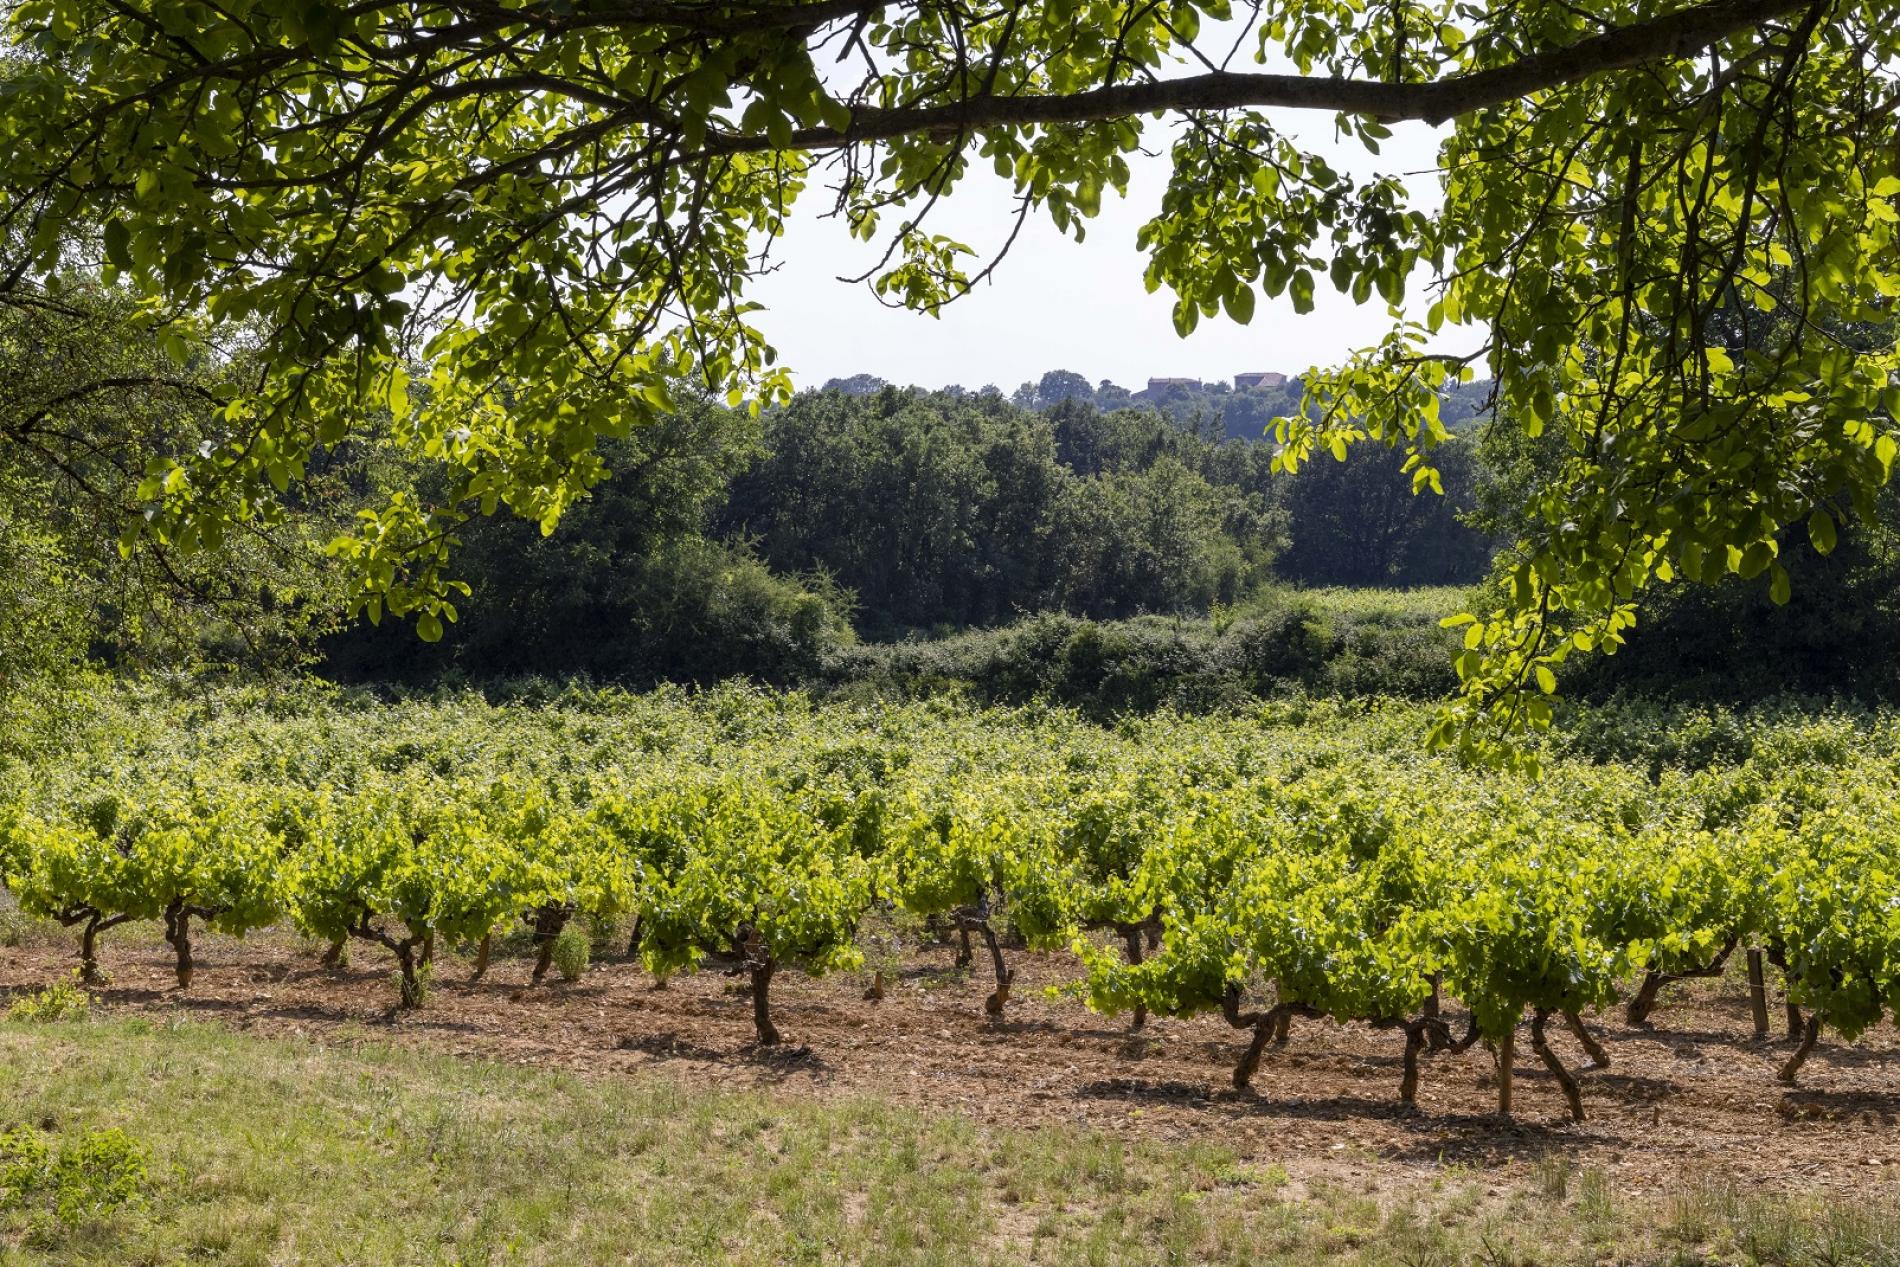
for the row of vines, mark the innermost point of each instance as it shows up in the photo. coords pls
(1308, 861)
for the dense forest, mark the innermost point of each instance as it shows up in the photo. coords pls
(870, 513)
(1066, 542)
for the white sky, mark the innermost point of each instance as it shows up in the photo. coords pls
(1054, 303)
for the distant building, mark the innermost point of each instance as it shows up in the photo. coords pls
(1264, 378)
(1162, 384)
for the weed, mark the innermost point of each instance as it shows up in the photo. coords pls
(88, 1176)
(572, 950)
(61, 1001)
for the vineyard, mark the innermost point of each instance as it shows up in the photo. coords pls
(1306, 861)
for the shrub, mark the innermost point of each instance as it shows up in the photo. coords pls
(61, 1001)
(572, 951)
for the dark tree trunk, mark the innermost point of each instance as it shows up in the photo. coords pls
(1282, 1029)
(89, 952)
(334, 955)
(977, 921)
(965, 955)
(404, 948)
(1758, 993)
(482, 948)
(1810, 1034)
(1778, 957)
(1250, 1059)
(1419, 1039)
(761, 1004)
(760, 965)
(96, 922)
(1132, 942)
(549, 922)
(633, 939)
(411, 983)
(178, 933)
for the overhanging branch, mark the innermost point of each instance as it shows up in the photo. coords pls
(1680, 34)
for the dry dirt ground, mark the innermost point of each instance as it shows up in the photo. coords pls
(1689, 1102)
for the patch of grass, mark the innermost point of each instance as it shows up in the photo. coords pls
(255, 1151)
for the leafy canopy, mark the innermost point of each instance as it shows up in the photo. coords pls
(1657, 216)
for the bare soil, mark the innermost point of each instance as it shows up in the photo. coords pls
(1690, 1101)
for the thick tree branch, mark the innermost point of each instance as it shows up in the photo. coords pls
(1678, 34)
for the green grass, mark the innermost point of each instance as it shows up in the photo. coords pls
(281, 1151)
(1424, 605)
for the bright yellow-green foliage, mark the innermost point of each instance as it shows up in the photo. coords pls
(1312, 846)
(492, 232)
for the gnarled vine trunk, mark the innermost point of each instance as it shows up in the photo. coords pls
(404, 948)
(1426, 1033)
(1810, 1034)
(1565, 1079)
(1653, 981)
(550, 920)
(1599, 1056)
(760, 966)
(178, 932)
(976, 920)
(1132, 942)
(93, 922)
(1263, 1024)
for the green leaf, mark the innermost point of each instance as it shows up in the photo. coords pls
(1821, 531)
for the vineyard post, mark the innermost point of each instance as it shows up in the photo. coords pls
(1501, 1051)
(1758, 992)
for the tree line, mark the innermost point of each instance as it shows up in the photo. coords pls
(723, 544)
